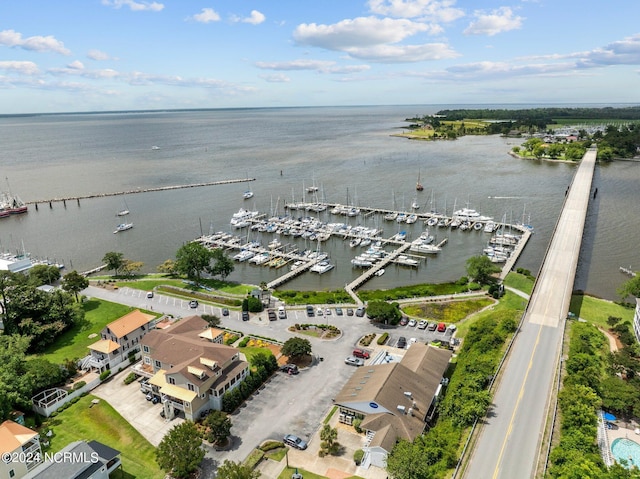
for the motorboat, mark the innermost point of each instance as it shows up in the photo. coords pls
(123, 227)
(489, 227)
(380, 272)
(247, 194)
(322, 267)
(244, 255)
(433, 221)
(242, 217)
(355, 242)
(412, 218)
(391, 216)
(424, 248)
(415, 205)
(399, 236)
(406, 261)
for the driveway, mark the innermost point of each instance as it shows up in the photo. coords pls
(130, 402)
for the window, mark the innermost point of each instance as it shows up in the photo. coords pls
(147, 360)
(220, 391)
(191, 387)
(145, 349)
(12, 473)
(233, 381)
(172, 381)
(158, 363)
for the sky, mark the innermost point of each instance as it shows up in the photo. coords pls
(106, 55)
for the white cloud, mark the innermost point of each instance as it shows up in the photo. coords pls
(22, 67)
(134, 6)
(356, 33)
(276, 78)
(99, 56)
(439, 11)
(76, 65)
(255, 18)
(320, 66)
(207, 15)
(404, 53)
(11, 38)
(622, 52)
(498, 21)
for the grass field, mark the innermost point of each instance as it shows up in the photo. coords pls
(448, 312)
(73, 343)
(597, 310)
(520, 282)
(510, 303)
(102, 423)
(147, 283)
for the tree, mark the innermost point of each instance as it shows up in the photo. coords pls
(630, 287)
(180, 452)
(219, 427)
(15, 385)
(296, 347)
(329, 438)
(236, 470)
(223, 265)
(407, 461)
(192, 259)
(40, 274)
(114, 261)
(44, 374)
(481, 269)
(131, 267)
(74, 282)
(212, 320)
(168, 267)
(383, 312)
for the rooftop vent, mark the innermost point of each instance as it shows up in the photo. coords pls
(401, 408)
(408, 394)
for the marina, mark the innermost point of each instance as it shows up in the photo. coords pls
(373, 253)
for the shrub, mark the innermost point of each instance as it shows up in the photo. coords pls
(474, 286)
(79, 384)
(105, 374)
(366, 341)
(243, 343)
(383, 338)
(268, 446)
(357, 456)
(356, 425)
(130, 378)
(53, 414)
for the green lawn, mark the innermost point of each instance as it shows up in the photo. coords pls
(102, 423)
(597, 310)
(73, 343)
(147, 283)
(519, 281)
(448, 311)
(510, 302)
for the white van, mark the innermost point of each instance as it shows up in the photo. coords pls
(282, 313)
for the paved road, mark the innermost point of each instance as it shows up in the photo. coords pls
(510, 439)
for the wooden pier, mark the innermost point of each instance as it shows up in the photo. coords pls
(515, 254)
(131, 192)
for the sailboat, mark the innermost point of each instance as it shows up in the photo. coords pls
(124, 211)
(419, 186)
(248, 193)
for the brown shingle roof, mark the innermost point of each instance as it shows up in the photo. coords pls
(14, 435)
(129, 323)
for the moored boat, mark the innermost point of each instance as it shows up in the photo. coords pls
(123, 227)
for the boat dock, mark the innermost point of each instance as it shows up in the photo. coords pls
(511, 261)
(131, 192)
(628, 271)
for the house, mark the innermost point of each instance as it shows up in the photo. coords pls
(189, 368)
(118, 339)
(79, 460)
(394, 400)
(23, 445)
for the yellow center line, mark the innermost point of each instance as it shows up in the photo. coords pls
(515, 409)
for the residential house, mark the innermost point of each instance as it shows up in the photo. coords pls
(23, 445)
(79, 460)
(118, 339)
(190, 368)
(394, 400)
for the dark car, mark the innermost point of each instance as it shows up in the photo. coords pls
(225, 312)
(402, 342)
(272, 315)
(349, 312)
(310, 311)
(294, 441)
(404, 321)
(289, 369)
(245, 315)
(193, 304)
(339, 311)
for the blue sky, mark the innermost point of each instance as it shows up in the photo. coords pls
(87, 55)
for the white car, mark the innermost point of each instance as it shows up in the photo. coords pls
(422, 324)
(319, 312)
(412, 323)
(353, 361)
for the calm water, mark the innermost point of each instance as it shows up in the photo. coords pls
(347, 152)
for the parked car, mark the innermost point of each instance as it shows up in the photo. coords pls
(349, 312)
(327, 312)
(153, 398)
(442, 327)
(289, 369)
(339, 311)
(412, 323)
(402, 342)
(294, 441)
(150, 294)
(272, 315)
(319, 312)
(404, 321)
(422, 324)
(282, 313)
(411, 341)
(193, 304)
(353, 361)
(360, 311)
(245, 315)
(225, 311)
(310, 312)
(361, 353)
(432, 326)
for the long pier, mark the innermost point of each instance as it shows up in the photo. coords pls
(139, 190)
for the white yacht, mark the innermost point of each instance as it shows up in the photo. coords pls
(322, 267)
(242, 218)
(123, 227)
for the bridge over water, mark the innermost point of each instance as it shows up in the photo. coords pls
(510, 439)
